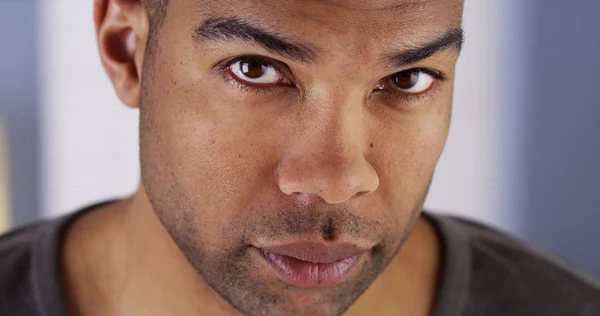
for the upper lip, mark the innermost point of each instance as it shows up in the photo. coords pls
(315, 252)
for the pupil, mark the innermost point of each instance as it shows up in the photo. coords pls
(253, 68)
(406, 79)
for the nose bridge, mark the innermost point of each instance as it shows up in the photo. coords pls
(336, 143)
(328, 159)
(337, 123)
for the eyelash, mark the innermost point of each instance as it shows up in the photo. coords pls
(398, 96)
(223, 69)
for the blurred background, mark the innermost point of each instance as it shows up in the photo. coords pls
(523, 153)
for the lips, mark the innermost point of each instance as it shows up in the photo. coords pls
(313, 265)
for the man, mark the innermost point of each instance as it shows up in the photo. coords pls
(286, 149)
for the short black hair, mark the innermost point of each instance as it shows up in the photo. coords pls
(156, 9)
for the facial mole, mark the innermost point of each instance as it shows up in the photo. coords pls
(372, 145)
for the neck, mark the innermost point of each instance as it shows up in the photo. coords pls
(121, 260)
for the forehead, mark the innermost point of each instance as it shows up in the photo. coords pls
(337, 28)
(357, 4)
(347, 15)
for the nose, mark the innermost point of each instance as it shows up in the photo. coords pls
(330, 164)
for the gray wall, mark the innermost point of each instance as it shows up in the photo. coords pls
(562, 152)
(18, 104)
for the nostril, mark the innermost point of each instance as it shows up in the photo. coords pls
(361, 193)
(330, 179)
(303, 198)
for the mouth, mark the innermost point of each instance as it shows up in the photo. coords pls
(313, 265)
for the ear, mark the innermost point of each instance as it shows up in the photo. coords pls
(122, 32)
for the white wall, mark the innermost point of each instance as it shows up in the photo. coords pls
(478, 175)
(90, 140)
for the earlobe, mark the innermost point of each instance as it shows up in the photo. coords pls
(122, 30)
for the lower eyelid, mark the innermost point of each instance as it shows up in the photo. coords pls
(281, 78)
(243, 87)
(256, 89)
(395, 96)
(228, 76)
(422, 96)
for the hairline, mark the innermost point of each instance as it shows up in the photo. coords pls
(156, 11)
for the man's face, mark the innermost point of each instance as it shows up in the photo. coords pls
(287, 146)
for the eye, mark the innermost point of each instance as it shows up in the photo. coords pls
(256, 71)
(412, 81)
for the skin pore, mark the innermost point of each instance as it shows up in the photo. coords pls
(268, 122)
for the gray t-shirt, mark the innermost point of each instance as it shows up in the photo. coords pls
(485, 273)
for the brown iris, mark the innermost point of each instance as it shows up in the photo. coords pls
(253, 68)
(405, 80)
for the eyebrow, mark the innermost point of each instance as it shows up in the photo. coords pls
(452, 39)
(237, 29)
(218, 29)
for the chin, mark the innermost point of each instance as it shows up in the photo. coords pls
(265, 292)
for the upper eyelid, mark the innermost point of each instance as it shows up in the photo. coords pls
(273, 62)
(282, 68)
(285, 70)
(438, 76)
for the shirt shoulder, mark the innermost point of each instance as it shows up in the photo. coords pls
(510, 277)
(30, 266)
(17, 286)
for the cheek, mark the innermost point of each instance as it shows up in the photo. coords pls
(220, 158)
(406, 158)
(213, 162)
(194, 159)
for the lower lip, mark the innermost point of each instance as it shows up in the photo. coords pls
(311, 275)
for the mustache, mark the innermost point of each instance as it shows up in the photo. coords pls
(326, 221)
